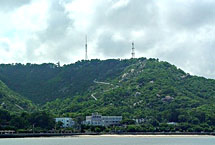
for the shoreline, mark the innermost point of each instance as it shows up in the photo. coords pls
(143, 134)
(146, 136)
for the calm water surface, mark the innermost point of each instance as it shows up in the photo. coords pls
(205, 140)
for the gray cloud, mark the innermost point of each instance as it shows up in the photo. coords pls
(190, 15)
(5, 46)
(180, 32)
(8, 5)
(59, 36)
(137, 15)
(58, 23)
(110, 47)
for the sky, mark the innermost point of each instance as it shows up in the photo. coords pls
(181, 32)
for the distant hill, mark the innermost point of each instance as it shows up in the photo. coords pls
(147, 89)
(13, 102)
(46, 82)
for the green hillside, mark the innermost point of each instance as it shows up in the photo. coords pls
(148, 89)
(13, 102)
(46, 82)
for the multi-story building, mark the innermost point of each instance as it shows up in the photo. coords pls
(98, 120)
(67, 122)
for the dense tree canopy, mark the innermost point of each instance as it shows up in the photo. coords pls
(155, 92)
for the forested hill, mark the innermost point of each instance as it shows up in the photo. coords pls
(46, 82)
(13, 102)
(147, 89)
(138, 87)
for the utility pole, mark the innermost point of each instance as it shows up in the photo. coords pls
(33, 129)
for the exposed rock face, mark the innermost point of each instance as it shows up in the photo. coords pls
(137, 94)
(167, 99)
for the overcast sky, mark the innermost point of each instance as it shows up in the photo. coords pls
(181, 32)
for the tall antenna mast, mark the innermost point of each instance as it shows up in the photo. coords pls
(133, 51)
(86, 57)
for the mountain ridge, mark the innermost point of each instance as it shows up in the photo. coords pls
(59, 81)
(147, 89)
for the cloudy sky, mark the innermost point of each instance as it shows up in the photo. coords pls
(181, 32)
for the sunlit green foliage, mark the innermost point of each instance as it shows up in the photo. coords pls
(148, 89)
(11, 101)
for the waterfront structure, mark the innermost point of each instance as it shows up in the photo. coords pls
(139, 121)
(98, 120)
(7, 131)
(67, 122)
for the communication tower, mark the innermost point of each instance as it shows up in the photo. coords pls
(86, 57)
(58, 64)
(133, 51)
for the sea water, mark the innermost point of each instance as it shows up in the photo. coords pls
(111, 140)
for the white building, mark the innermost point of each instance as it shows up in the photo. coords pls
(98, 120)
(67, 122)
(139, 121)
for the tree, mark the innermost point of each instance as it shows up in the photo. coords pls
(59, 125)
(42, 120)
